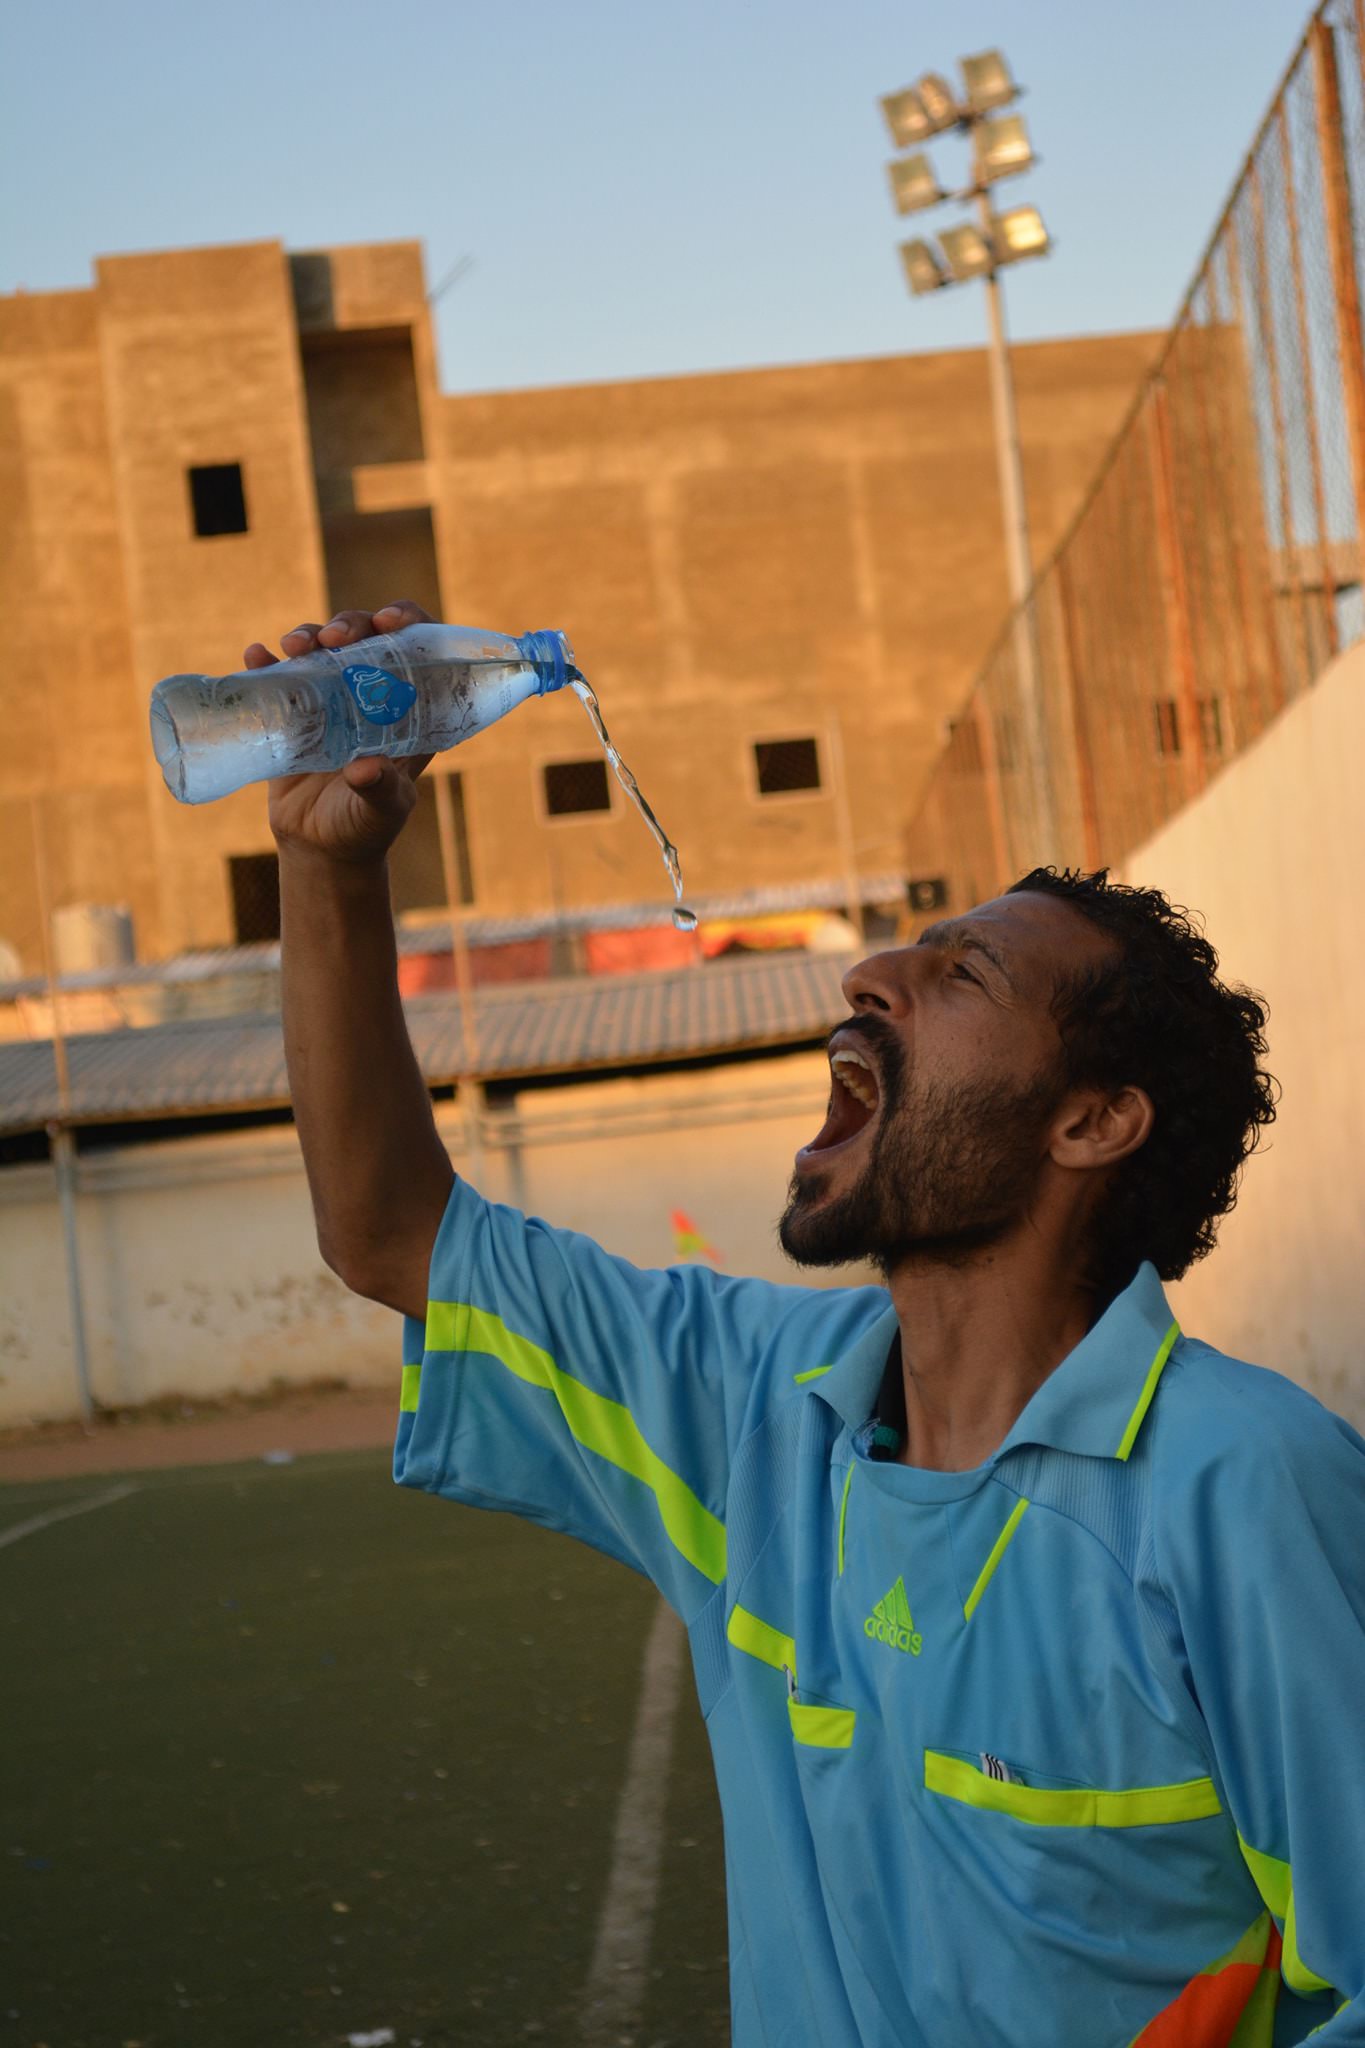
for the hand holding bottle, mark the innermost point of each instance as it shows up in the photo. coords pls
(353, 813)
(352, 690)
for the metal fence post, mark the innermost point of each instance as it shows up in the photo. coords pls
(1085, 765)
(989, 754)
(60, 1140)
(1336, 196)
(1179, 636)
(1254, 542)
(1310, 405)
(1290, 577)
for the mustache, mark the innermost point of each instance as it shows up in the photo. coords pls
(889, 1055)
(875, 1030)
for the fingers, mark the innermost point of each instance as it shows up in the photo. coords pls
(342, 629)
(302, 640)
(391, 618)
(413, 764)
(382, 784)
(258, 656)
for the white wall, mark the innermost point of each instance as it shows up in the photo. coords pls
(1273, 857)
(201, 1271)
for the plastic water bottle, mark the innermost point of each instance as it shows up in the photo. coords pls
(415, 692)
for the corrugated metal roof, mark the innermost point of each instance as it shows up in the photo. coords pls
(196, 1066)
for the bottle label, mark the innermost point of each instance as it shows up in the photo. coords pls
(380, 696)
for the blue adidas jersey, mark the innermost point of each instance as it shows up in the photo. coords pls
(1064, 1750)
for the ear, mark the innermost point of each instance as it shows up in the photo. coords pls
(1097, 1129)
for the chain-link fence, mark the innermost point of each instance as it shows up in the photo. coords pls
(1215, 566)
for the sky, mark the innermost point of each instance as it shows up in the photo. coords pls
(641, 189)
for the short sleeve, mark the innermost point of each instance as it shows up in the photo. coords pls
(1261, 1545)
(559, 1382)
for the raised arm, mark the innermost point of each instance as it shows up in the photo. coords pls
(378, 1173)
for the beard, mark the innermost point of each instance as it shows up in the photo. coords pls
(952, 1172)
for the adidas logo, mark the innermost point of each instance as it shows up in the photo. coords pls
(892, 1623)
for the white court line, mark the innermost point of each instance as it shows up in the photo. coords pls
(615, 1990)
(80, 1507)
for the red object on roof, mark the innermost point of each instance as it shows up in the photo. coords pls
(647, 946)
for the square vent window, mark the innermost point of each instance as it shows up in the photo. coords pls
(785, 766)
(217, 499)
(575, 787)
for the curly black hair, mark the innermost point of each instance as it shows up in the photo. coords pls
(1157, 1017)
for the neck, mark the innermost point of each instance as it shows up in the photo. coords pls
(977, 1341)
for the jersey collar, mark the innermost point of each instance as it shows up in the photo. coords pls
(1093, 1403)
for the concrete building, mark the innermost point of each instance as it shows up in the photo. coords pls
(780, 581)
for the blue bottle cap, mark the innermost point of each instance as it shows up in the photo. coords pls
(551, 656)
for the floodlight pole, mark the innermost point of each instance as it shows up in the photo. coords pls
(1018, 555)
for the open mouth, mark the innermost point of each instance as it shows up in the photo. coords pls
(855, 1097)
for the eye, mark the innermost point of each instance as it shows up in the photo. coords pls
(958, 968)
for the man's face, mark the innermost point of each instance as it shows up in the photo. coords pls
(945, 1084)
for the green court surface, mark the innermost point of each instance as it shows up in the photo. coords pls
(290, 1754)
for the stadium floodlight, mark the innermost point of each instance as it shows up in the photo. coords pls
(980, 249)
(1018, 233)
(939, 101)
(923, 270)
(986, 81)
(1001, 147)
(914, 184)
(905, 117)
(968, 251)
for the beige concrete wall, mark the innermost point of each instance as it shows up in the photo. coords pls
(201, 1270)
(68, 652)
(201, 366)
(370, 384)
(765, 554)
(1272, 857)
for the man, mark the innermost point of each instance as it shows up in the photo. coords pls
(1030, 1633)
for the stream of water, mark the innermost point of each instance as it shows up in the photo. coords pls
(684, 920)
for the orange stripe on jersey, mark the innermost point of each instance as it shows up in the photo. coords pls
(1231, 2004)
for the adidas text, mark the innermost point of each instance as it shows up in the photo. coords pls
(897, 1638)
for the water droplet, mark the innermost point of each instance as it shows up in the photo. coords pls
(684, 920)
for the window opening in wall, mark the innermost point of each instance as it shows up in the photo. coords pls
(1211, 723)
(786, 765)
(218, 499)
(1168, 739)
(416, 880)
(574, 787)
(255, 883)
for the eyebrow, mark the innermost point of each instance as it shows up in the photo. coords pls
(945, 938)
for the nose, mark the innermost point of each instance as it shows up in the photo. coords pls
(880, 983)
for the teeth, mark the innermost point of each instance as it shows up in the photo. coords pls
(846, 1066)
